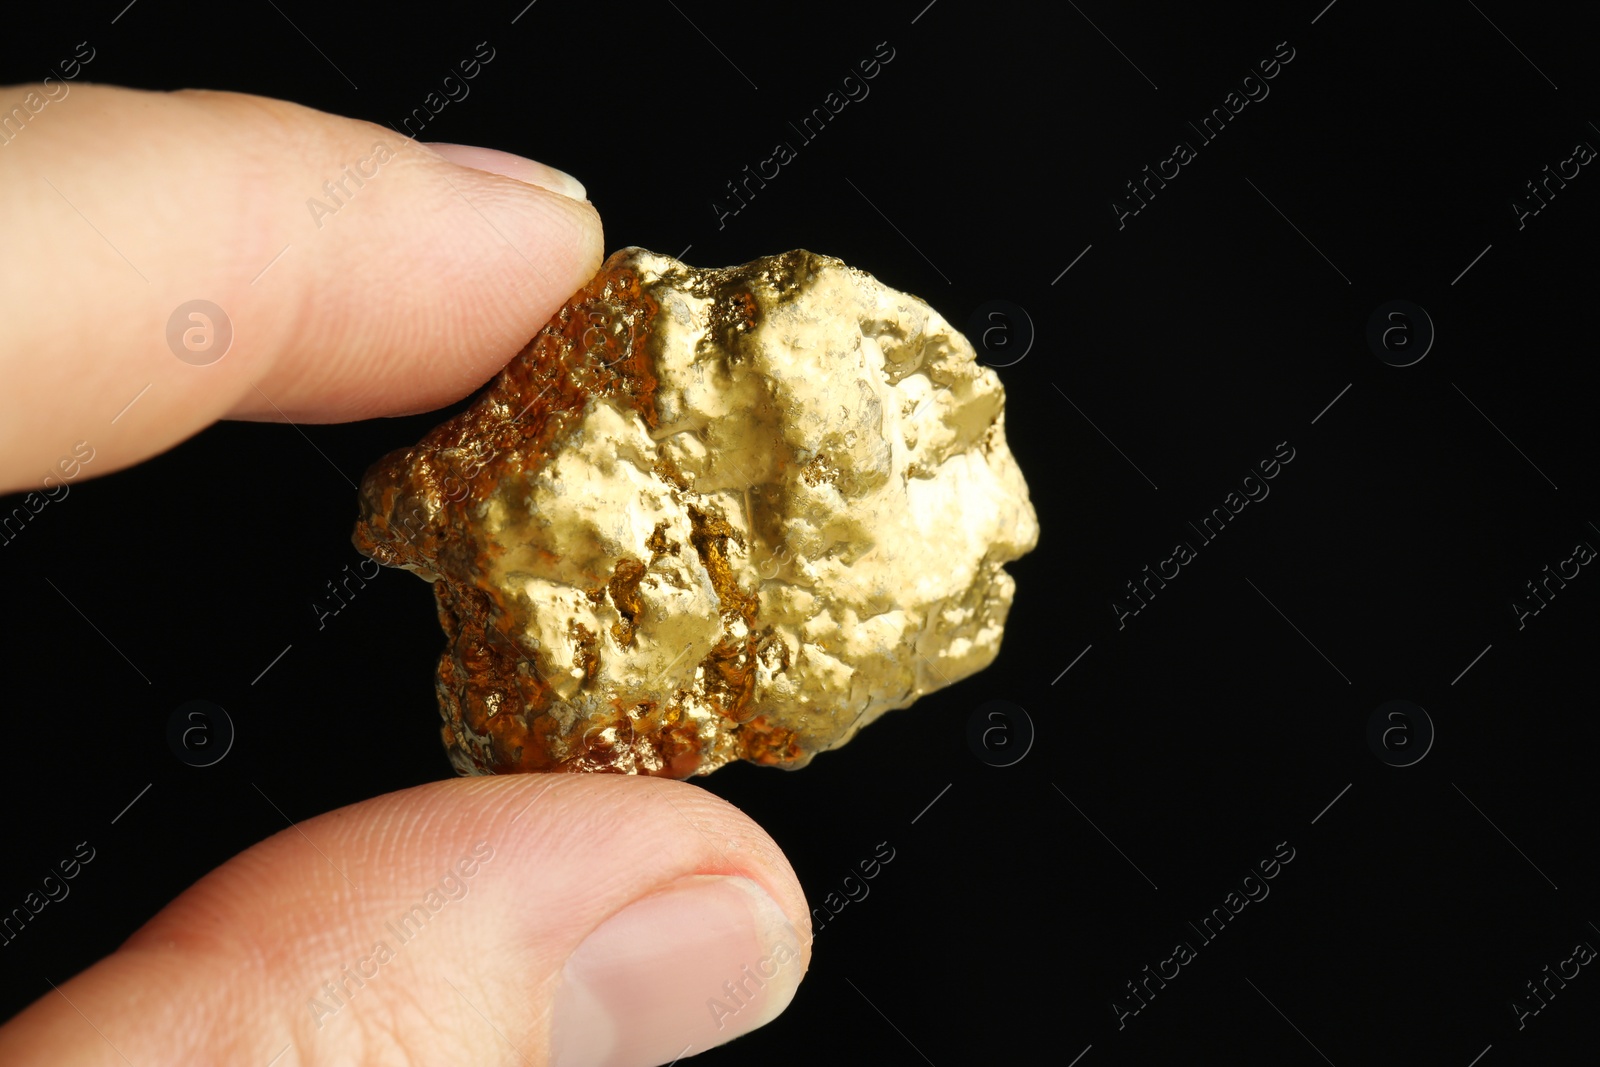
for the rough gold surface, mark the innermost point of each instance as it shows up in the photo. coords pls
(709, 515)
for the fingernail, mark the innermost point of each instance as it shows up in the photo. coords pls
(529, 171)
(686, 968)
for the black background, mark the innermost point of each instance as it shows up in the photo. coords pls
(1175, 753)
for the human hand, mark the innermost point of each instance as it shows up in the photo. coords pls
(596, 919)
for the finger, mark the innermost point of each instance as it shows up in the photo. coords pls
(533, 920)
(358, 272)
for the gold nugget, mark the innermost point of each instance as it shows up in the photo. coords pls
(709, 515)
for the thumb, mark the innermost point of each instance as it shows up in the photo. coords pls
(345, 271)
(605, 920)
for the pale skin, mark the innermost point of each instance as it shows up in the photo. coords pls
(117, 207)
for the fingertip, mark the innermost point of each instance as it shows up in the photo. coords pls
(680, 970)
(603, 919)
(351, 271)
(451, 270)
(512, 166)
